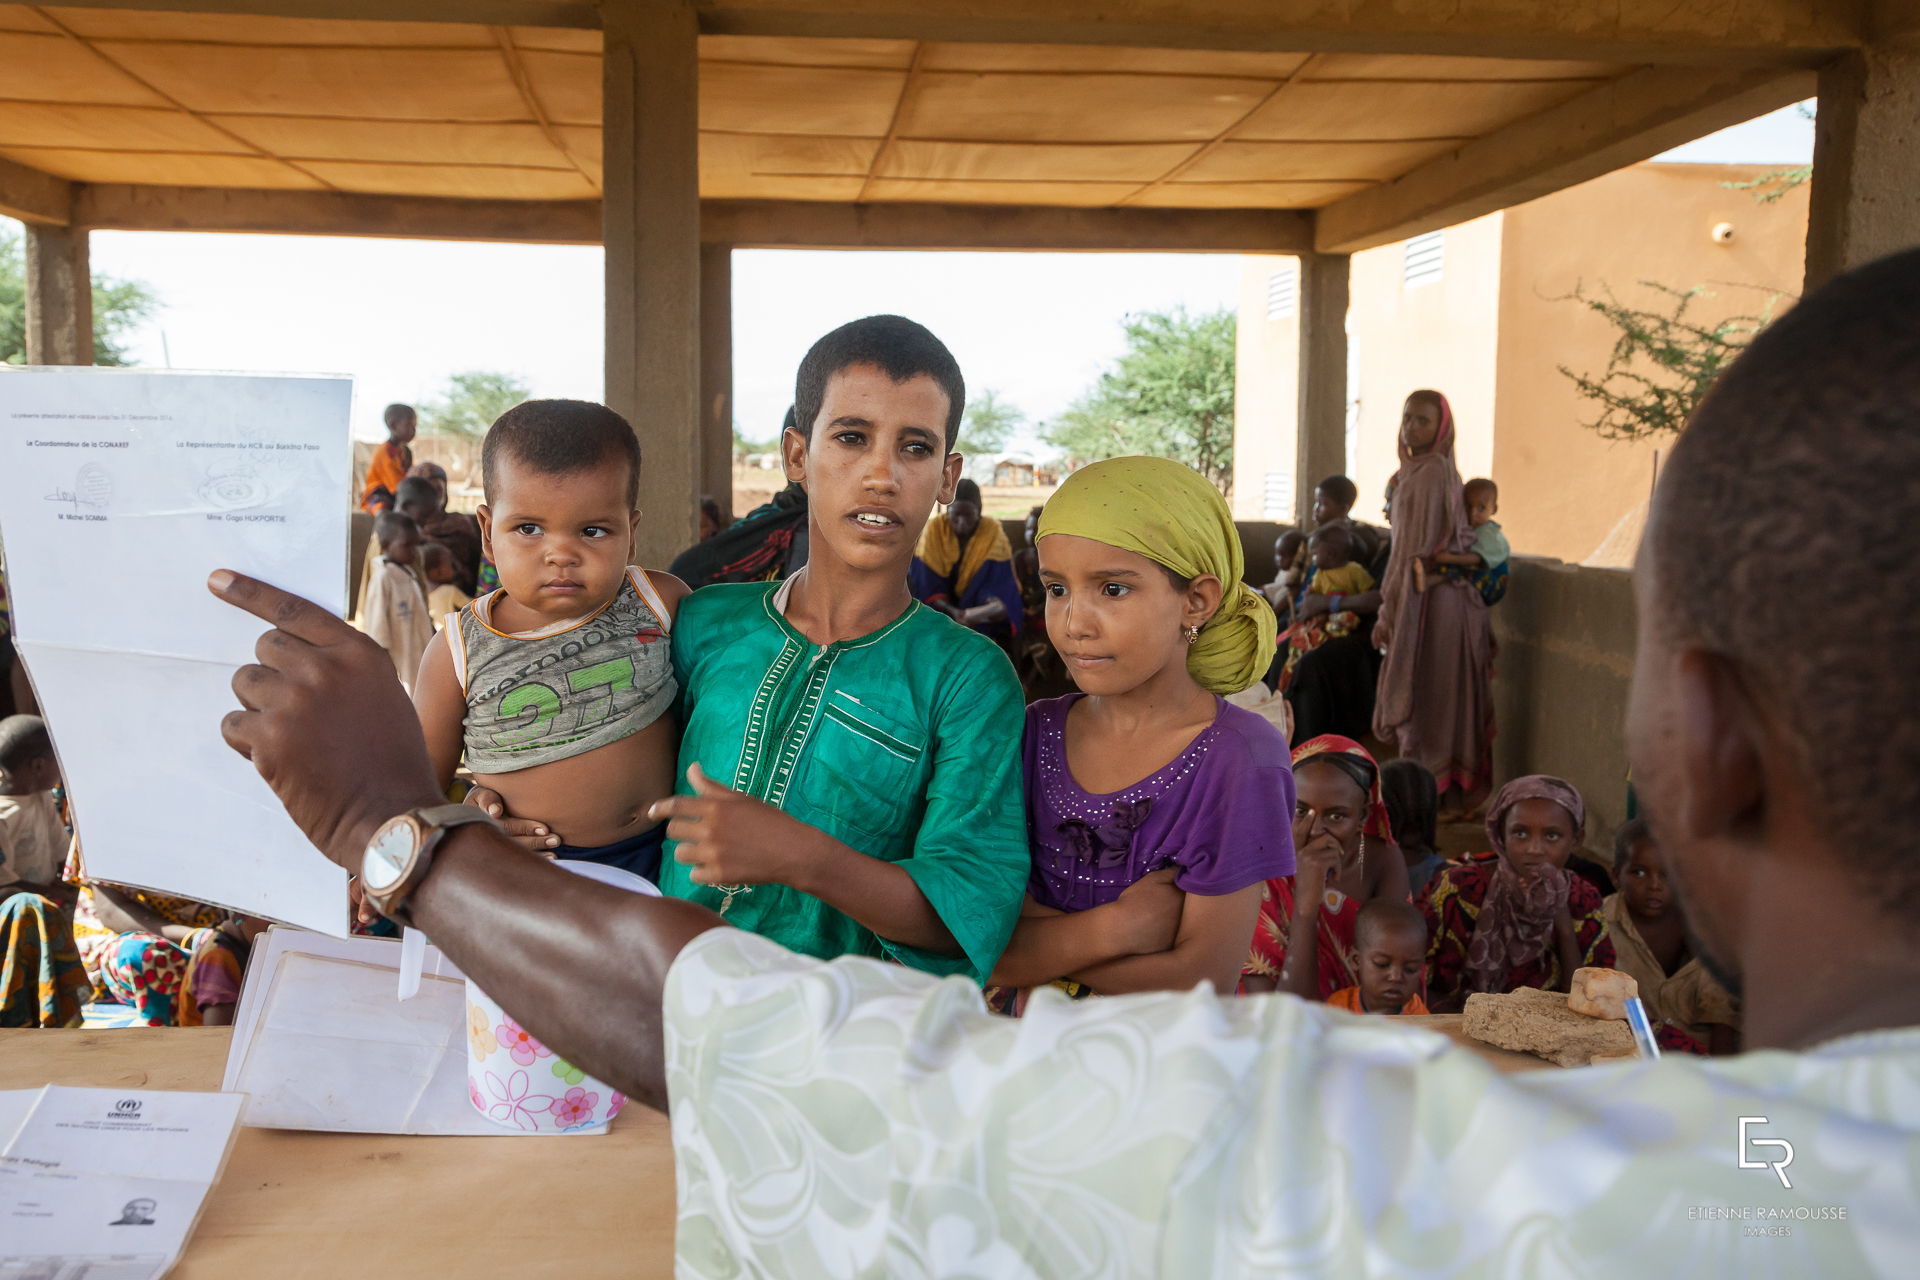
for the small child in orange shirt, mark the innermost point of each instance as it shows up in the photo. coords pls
(1391, 937)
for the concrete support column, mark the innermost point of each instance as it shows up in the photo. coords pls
(1866, 161)
(716, 374)
(651, 216)
(59, 296)
(1321, 448)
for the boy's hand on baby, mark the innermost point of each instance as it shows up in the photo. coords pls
(1150, 908)
(326, 721)
(728, 837)
(529, 833)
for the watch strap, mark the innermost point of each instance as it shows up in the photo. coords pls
(434, 821)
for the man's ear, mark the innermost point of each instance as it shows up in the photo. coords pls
(484, 515)
(950, 479)
(1720, 751)
(793, 454)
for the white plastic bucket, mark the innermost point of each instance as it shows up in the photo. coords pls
(519, 1083)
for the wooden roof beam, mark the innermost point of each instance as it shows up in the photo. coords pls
(1621, 123)
(502, 13)
(745, 224)
(33, 196)
(1745, 32)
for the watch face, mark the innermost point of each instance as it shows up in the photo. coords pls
(388, 855)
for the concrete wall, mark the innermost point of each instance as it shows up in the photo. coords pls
(1266, 382)
(1564, 488)
(1440, 335)
(1566, 645)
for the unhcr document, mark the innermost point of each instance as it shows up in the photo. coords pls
(120, 491)
(106, 1184)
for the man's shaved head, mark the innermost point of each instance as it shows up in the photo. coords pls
(1801, 469)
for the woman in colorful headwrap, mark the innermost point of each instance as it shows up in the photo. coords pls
(1434, 701)
(964, 568)
(1516, 917)
(1155, 809)
(1346, 858)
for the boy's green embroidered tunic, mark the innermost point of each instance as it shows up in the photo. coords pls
(903, 744)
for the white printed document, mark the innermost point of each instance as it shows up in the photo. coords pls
(120, 491)
(106, 1184)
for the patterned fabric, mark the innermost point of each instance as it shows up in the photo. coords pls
(1453, 913)
(42, 982)
(216, 964)
(1302, 638)
(138, 968)
(903, 744)
(385, 470)
(863, 1121)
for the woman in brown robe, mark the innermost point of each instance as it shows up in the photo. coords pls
(1434, 701)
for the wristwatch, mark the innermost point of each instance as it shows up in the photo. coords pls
(401, 851)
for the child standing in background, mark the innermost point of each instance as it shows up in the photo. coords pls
(391, 461)
(1391, 937)
(396, 609)
(1147, 775)
(446, 597)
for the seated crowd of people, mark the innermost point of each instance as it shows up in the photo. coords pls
(1044, 779)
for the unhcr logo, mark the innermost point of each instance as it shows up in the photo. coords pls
(126, 1109)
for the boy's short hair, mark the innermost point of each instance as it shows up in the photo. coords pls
(395, 412)
(1803, 456)
(1341, 490)
(389, 525)
(23, 739)
(555, 437)
(1382, 914)
(966, 491)
(1480, 484)
(1334, 533)
(1632, 832)
(895, 345)
(431, 552)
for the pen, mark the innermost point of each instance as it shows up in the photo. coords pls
(1641, 1027)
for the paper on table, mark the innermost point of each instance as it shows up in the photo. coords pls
(320, 1042)
(120, 492)
(109, 1182)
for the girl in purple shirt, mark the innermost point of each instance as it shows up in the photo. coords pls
(1155, 809)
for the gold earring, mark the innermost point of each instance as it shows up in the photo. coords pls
(1191, 633)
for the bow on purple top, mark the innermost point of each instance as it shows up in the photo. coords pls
(1105, 845)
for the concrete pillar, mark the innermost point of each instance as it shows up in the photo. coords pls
(59, 296)
(716, 374)
(1866, 161)
(652, 231)
(1321, 448)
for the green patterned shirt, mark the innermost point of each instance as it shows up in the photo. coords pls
(903, 744)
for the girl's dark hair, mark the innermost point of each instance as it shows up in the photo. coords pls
(1413, 803)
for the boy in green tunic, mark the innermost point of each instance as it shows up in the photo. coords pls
(851, 758)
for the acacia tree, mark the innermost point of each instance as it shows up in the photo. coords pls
(1662, 363)
(1170, 394)
(118, 305)
(990, 423)
(471, 402)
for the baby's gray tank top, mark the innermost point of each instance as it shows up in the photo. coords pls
(533, 699)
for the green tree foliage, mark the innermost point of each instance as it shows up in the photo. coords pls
(745, 448)
(1661, 364)
(990, 423)
(1170, 394)
(471, 402)
(118, 305)
(1775, 183)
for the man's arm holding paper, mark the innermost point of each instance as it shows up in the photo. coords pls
(330, 729)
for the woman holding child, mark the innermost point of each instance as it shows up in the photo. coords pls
(1516, 917)
(1346, 858)
(1434, 701)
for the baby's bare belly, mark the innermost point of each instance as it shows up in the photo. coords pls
(600, 797)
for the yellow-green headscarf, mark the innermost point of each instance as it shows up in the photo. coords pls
(1173, 516)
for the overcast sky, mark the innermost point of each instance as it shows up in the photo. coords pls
(403, 315)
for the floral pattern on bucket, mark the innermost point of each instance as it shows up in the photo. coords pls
(520, 1084)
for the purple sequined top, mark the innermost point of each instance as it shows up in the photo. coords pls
(1221, 811)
